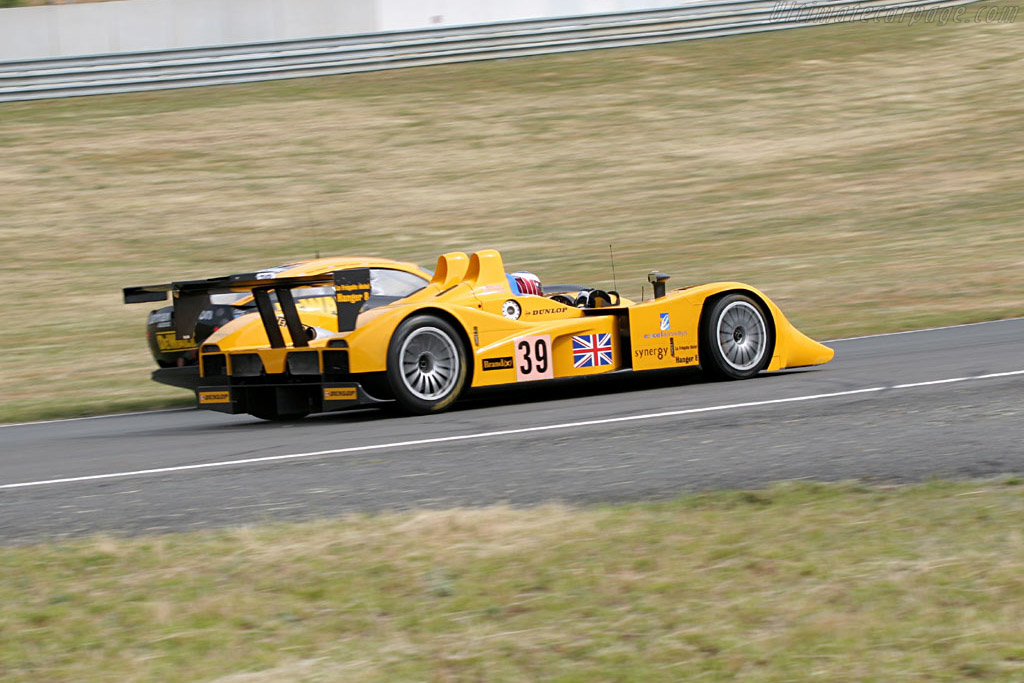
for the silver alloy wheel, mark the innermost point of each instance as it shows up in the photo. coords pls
(742, 336)
(430, 363)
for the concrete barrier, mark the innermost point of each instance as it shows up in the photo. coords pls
(145, 25)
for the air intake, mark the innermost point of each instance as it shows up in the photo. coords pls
(246, 365)
(304, 363)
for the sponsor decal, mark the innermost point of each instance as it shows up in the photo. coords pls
(511, 309)
(503, 363)
(168, 341)
(658, 352)
(352, 293)
(282, 323)
(591, 350)
(685, 360)
(160, 317)
(547, 311)
(340, 393)
(664, 322)
(659, 335)
(214, 397)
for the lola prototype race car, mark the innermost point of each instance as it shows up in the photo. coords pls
(332, 334)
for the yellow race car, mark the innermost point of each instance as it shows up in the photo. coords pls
(331, 334)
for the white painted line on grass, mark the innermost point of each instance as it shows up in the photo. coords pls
(485, 435)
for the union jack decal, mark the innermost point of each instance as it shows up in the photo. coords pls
(589, 350)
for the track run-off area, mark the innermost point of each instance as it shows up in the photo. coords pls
(895, 408)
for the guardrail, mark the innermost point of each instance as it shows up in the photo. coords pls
(229, 64)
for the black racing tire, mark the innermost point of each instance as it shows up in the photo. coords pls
(427, 365)
(736, 339)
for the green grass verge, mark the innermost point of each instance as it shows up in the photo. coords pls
(797, 582)
(866, 176)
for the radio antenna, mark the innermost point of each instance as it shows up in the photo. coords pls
(611, 255)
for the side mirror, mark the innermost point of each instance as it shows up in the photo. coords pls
(658, 279)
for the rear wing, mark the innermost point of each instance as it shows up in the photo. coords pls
(190, 297)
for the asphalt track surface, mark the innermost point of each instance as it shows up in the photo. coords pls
(893, 408)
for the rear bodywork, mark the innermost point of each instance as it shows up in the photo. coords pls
(177, 353)
(331, 352)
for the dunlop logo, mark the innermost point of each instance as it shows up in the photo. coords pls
(341, 394)
(215, 397)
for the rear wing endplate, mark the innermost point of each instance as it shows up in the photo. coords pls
(190, 297)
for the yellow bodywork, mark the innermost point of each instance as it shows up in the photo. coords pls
(472, 292)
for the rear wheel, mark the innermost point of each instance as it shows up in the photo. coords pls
(426, 365)
(736, 338)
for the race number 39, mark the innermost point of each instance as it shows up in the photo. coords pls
(533, 358)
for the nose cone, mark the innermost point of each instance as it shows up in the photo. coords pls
(802, 350)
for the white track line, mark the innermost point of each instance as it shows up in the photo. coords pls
(827, 341)
(958, 379)
(926, 329)
(502, 432)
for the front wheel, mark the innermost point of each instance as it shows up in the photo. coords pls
(737, 338)
(426, 365)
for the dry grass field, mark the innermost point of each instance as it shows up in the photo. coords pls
(867, 176)
(799, 582)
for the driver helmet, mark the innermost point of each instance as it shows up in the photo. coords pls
(525, 282)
